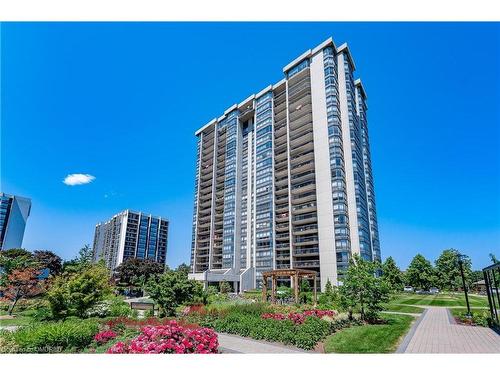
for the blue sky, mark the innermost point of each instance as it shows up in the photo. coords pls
(121, 101)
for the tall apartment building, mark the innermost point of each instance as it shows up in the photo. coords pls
(131, 234)
(14, 212)
(284, 179)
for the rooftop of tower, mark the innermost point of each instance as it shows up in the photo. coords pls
(307, 54)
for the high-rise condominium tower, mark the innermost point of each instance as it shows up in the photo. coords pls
(284, 179)
(14, 212)
(131, 234)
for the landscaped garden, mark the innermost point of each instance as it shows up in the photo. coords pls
(80, 308)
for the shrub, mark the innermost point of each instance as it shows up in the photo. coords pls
(55, 337)
(77, 293)
(304, 335)
(173, 289)
(113, 306)
(42, 314)
(478, 318)
(297, 317)
(169, 338)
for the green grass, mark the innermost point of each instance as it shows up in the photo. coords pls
(21, 318)
(17, 321)
(446, 300)
(381, 338)
(403, 308)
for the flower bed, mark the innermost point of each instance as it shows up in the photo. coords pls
(171, 337)
(104, 336)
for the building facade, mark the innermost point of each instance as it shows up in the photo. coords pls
(131, 234)
(284, 178)
(14, 212)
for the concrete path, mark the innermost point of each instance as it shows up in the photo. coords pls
(436, 332)
(402, 313)
(237, 344)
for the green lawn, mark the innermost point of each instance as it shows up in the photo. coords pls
(442, 299)
(20, 318)
(403, 308)
(381, 338)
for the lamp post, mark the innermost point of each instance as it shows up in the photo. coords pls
(461, 264)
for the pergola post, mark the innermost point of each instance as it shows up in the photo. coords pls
(296, 286)
(273, 289)
(264, 289)
(314, 291)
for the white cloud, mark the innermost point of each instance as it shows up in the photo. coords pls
(78, 179)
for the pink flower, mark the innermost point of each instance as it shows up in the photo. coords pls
(170, 338)
(104, 336)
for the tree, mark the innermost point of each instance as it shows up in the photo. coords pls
(183, 267)
(171, 290)
(448, 270)
(476, 276)
(22, 283)
(14, 259)
(305, 289)
(328, 287)
(72, 294)
(77, 264)
(330, 296)
(392, 275)
(224, 287)
(493, 258)
(136, 272)
(362, 289)
(47, 259)
(420, 273)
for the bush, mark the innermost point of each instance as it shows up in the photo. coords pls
(173, 289)
(42, 314)
(305, 335)
(75, 294)
(114, 306)
(70, 335)
(478, 318)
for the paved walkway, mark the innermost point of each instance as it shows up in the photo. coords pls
(237, 344)
(436, 332)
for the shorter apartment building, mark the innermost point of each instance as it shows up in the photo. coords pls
(131, 234)
(14, 212)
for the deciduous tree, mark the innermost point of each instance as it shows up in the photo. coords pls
(48, 259)
(171, 290)
(183, 267)
(79, 263)
(72, 294)
(448, 270)
(420, 273)
(137, 272)
(22, 283)
(362, 289)
(392, 275)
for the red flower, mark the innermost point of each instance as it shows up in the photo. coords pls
(170, 338)
(104, 336)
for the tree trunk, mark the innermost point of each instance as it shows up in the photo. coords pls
(14, 302)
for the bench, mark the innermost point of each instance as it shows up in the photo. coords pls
(142, 306)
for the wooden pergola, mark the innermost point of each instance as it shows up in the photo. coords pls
(295, 276)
